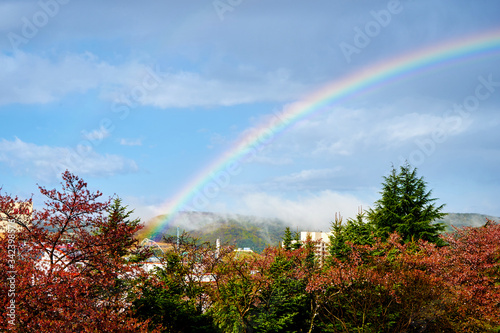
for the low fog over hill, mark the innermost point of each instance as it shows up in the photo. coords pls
(460, 220)
(232, 229)
(258, 232)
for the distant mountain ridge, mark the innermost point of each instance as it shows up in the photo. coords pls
(257, 232)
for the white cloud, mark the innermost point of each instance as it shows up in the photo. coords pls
(96, 135)
(131, 142)
(305, 176)
(32, 79)
(272, 160)
(142, 207)
(308, 211)
(187, 89)
(216, 139)
(47, 163)
(413, 126)
(311, 211)
(338, 147)
(341, 132)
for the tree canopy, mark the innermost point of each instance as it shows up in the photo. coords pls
(68, 269)
(65, 263)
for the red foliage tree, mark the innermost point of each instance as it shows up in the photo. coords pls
(380, 287)
(65, 275)
(471, 267)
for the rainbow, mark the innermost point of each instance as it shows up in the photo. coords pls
(206, 185)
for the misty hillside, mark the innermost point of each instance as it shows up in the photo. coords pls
(232, 229)
(257, 232)
(461, 220)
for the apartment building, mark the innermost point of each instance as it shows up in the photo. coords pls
(321, 240)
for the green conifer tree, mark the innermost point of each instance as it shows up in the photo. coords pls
(355, 231)
(120, 226)
(287, 239)
(407, 208)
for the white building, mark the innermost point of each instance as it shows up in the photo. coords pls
(321, 242)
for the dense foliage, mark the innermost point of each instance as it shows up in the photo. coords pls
(65, 266)
(175, 296)
(74, 274)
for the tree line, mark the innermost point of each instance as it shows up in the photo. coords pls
(78, 268)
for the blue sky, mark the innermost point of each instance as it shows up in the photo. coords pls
(138, 97)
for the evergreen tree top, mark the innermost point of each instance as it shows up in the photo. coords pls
(407, 207)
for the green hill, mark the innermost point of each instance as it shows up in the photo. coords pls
(232, 229)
